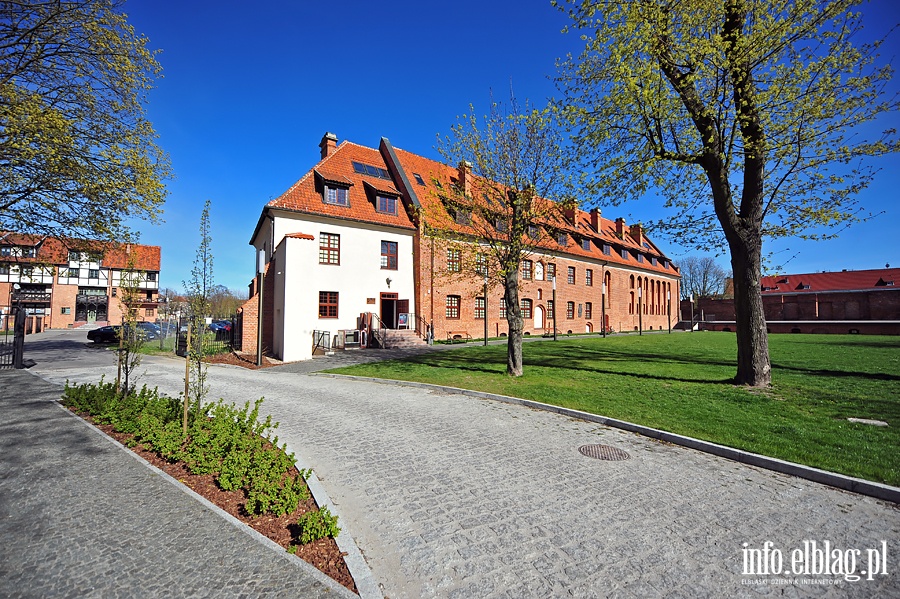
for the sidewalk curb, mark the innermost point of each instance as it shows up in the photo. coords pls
(840, 481)
(366, 585)
(257, 536)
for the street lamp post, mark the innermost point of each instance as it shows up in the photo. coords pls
(640, 311)
(555, 307)
(603, 310)
(692, 312)
(669, 309)
(485, 306)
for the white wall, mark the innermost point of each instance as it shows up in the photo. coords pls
(299, 278)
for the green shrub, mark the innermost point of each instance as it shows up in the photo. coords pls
(226, 441)
(317, 525)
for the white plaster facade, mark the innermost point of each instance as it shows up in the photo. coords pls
(359, 279)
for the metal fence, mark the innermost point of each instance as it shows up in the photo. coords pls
(217, 337)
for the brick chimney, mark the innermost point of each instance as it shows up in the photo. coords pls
(328, 144)
(570, 215)
(620, 227)
(637, 233)
(465, 176)
(596, 219)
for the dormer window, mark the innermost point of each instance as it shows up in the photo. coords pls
(653, 260)
(607, 249)
(386, 205)
(624, 254)
(532, 231)
(586, 244)
(500, 225)
(640, 257)
(562, 239)
(462, 217)
(28, 252)
(337, 196)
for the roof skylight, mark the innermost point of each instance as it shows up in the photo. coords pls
(372, 171)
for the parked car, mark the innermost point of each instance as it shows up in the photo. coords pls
(110, 334)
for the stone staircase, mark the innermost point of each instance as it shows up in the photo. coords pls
(400, 338)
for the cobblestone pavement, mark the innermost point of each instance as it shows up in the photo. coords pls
(452, 496)
(81, 517)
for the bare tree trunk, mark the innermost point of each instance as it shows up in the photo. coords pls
(514, 320)
(754, 368)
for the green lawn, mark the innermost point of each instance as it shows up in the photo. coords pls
(680, 383)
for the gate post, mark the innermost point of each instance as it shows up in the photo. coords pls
(19, 339)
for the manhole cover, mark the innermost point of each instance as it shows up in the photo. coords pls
(603, 452)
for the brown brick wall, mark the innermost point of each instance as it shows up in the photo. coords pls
(619, 311)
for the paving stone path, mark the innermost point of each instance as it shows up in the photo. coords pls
(81, 517)
(452, 496)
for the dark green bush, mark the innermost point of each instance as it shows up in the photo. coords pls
(228, 442)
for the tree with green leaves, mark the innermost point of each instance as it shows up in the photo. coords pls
(198, 306)
(517, 182)
(78, 157)
(744, 115)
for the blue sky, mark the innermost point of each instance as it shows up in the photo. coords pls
(250, 88)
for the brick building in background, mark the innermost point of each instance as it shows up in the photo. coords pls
(850, 301)
(345, 248)
(64, 285)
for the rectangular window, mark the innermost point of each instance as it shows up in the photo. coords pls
(65, 310)
(640, 257)
(28, 252)
(4, 269)
(607, 249)
(115, 291)
(328, 304)
(589, 277)
(73, 256)
(526, 308)
(93, 273)
(452, 310)
(570, 310)
(502, 307)
(550, 308)
(337, 196)
(479, 308)
(586, 244)
(454, 261)
(5, 251)
(329, 248)
(462, 217)
(653, 261)
(151, 276)
(588, 310)
(389, 255)
(149, 312)
(571, 277)
(562, 239)
(533, 231)
(481, 264)
(526, 269)
(501, 225)
(551, 271)
(387, 205)
(624, 253)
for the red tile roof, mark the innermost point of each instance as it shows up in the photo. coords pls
(51, 250)
(306, 195)
(300, 236)
(848, 280)
(429, 194)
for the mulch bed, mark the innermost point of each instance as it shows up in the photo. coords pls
(243, 360)
(323, 554)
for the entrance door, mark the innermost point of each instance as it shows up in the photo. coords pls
(389, 310)
(92, 314)
(539, 317)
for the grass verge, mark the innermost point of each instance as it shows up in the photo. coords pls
(681, 383)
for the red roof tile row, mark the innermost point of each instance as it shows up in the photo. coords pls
(848, 280)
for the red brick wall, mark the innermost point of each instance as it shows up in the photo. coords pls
(620, 314)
